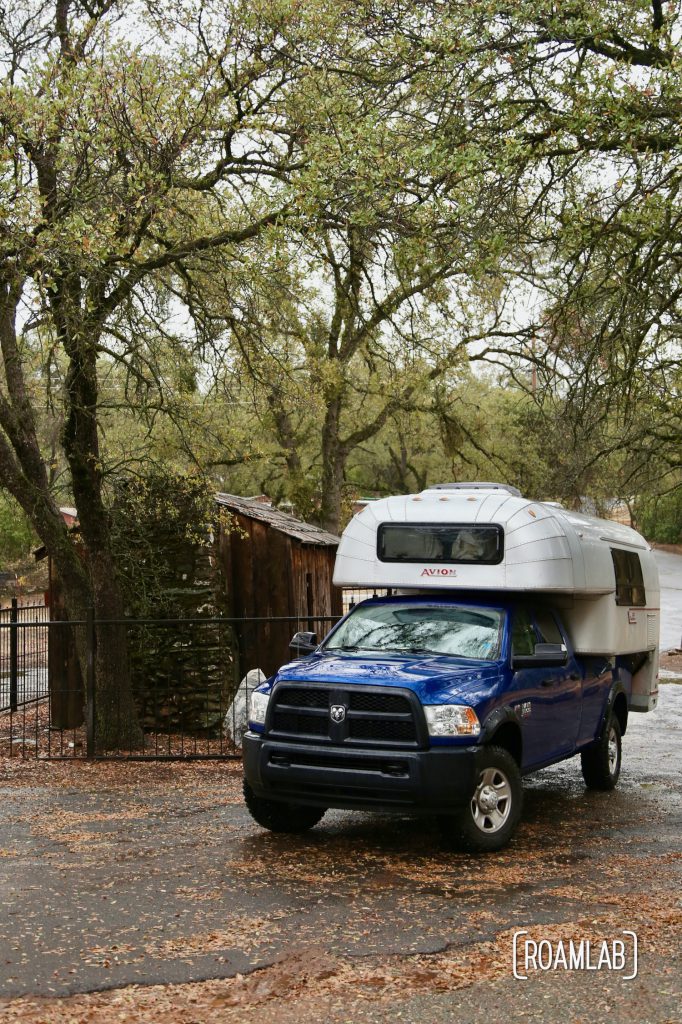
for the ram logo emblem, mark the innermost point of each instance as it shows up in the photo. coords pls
(337, 712)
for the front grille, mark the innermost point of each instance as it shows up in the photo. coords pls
(380, 729)
(305, 697)
(387, 765)
(372, 715)
(305, 725)
(385, 703)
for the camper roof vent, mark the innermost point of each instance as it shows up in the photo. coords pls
(477, 486)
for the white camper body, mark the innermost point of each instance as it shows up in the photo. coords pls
(601, 574)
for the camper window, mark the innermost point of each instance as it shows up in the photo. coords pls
(629, 581)
(450, 544)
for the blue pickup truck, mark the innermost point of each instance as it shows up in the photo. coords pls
(433, 703)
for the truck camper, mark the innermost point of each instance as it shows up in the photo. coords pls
(510, 634)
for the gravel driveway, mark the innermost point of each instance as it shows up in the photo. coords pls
(154, 876)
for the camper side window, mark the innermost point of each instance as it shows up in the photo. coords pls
(629, 580)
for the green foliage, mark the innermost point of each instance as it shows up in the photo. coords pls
(16, 535)
(163, 528)
(163, 531)
(284, 231)
(659, 517)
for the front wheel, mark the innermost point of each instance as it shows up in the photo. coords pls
(494, 811)
(601, 763)
(281, 817)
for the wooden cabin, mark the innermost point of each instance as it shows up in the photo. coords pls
(266, 565)
(276, 567)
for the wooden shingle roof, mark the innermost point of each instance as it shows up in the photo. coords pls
(306, 533)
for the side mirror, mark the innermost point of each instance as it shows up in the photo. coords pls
(303, 643)
(545, 656)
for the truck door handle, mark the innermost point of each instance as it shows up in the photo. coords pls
(574, 677)
(547, 682)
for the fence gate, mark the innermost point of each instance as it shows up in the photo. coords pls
(23, 655)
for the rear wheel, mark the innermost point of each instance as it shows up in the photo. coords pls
(494, 811)
(601, 763)
(281, 817)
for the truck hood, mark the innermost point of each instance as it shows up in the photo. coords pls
(436, 679)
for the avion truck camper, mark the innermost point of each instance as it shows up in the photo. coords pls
(513, 634)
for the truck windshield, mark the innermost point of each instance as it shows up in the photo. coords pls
(411, 628)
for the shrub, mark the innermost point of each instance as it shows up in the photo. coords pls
(660, 517)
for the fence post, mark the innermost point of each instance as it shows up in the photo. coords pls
(14, 656)
(90, 641)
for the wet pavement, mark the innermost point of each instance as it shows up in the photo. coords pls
(31, 685)
(113, 875)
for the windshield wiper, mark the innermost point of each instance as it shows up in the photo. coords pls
(442, 654)
(385, 650)
(406, 650)
(350, 647)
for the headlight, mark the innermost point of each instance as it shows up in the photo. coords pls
(451, 720)
(258, 706)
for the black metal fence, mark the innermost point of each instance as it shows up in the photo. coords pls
(354, 595)
(67, 693)
(23, 655)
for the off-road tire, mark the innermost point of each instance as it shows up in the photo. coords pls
(482, 829)
(601, 762)
(288, 818)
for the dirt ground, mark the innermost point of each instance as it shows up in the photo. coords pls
(672, 662)
(144, 892)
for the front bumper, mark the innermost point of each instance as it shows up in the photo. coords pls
(440, 780)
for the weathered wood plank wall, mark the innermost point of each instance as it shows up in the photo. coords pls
(271, 574)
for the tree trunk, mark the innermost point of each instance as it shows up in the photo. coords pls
(116, 720)
(115, 715)
(334, 457)
(89, 581)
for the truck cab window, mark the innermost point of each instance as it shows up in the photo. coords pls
(523, 633)
(547, 627)
(437, 629)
